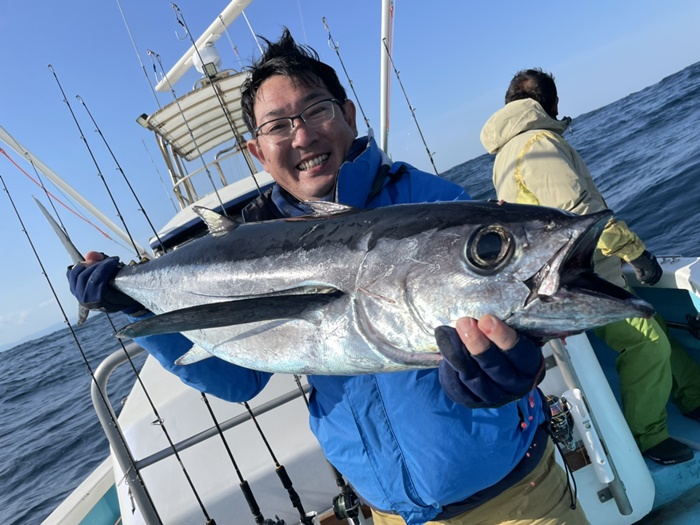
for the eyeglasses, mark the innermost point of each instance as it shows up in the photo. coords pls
(279, 129)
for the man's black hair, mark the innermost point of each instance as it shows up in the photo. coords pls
(285, 57)
(534, 84)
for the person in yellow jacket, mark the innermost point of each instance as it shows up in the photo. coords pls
(535, 165)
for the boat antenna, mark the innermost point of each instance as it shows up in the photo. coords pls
(142, 496)
(119, 168)
(138, 55)
(304, 518)
(336, 47)
(411, 108)
(245, 486)
(139, 254)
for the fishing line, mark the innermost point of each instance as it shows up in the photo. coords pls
(233, 47)
(52, 196)
(281, 472)
(160, 177)
(336, 47)
(99, 173)
(103, 395)
(126, 180)
(245, 487)
(411, 108)
(238, 137)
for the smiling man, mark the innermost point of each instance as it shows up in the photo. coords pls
(304, 152)
(463, 443)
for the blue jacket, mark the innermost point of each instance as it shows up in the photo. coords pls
(402, 444)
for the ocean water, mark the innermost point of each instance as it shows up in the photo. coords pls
(643, 151)
(50, 438)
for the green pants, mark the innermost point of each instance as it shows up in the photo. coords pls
(652, 367)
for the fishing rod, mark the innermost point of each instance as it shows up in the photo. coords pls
(138, 55)
(159, 421)
(119, 168)
(304, 517)
(142, 496)
(336, 47)
(411, 108)
(245, 487)
(99, 172)
(155, 56)
(211, 75)
(346, 505)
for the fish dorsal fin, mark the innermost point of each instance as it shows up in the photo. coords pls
(323, 208)
(218, 224)
(194, 355)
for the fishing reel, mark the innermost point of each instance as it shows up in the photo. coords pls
(346, 505)
(562, 424)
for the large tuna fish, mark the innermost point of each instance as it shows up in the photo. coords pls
(361, 291)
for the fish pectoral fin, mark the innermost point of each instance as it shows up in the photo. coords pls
(194, 355)
(241, 311)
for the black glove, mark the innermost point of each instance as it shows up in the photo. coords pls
(90, 285)
(647, 268)
(492, 378)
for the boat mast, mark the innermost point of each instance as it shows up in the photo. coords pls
(385, 74)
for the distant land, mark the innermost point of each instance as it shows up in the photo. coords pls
(37, 335)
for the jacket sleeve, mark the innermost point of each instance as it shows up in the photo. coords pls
(547, 170)
(618, 239)
(212, 376)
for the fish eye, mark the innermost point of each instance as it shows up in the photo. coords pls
(489, 248)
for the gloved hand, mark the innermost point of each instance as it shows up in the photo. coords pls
(489, 379)
(647, 268)
(90, 285)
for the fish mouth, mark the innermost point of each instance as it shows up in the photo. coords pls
(569, 276)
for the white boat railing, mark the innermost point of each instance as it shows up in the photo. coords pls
(120, 448)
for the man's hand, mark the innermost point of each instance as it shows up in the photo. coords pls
(90, 283)
(647, 268)
(486, 363)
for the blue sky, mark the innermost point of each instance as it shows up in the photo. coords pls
(455, 59)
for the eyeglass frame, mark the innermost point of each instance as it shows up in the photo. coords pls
(258, 131)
